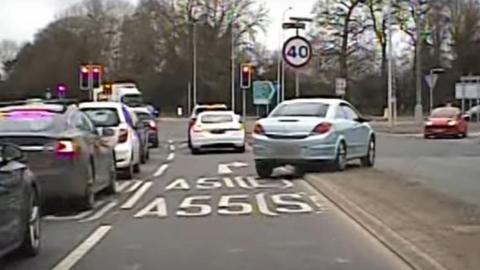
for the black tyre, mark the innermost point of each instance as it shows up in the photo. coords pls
(340, 163)
(369, 159)
(128, 172)
(32, 233)
(194, 151)
(136, 168)
(264, 169)
(240, 149)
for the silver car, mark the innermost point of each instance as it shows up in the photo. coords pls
(309, 131)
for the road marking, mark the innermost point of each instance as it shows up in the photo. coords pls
(100, 213)
(161, 170)
(172, 147)
(225, 168)
(178, 184)
(157, 208)
(263, 206)
(135, 186)
(137, 195)
(78, 253)
(170, 141)
(228, 182)
(171, 156)
(208, 183)
(78, 216)
(241, 183)
(283, 201)
(123, 185)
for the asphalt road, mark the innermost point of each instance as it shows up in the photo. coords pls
(182, 213)
(450, 166)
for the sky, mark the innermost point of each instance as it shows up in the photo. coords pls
(21, 19)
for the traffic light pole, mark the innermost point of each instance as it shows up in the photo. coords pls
(244, 105)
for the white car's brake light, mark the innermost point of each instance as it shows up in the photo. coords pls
(322, 128)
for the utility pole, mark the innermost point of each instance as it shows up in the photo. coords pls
(233, 67)
(194, 63)
(418, 66)
(390, 66)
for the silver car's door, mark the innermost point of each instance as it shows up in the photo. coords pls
(358, 132)
(346, 128)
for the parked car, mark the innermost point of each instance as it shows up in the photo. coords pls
(117, 117)
(199, 109)
(142, 129)
(69, 157)
(217, 130)
(19, 204)
(148, 118)
(446, 122)
(303, 132)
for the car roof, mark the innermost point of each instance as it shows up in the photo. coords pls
(216, 113)
(57, 108)
(330, 101)
(101, 104)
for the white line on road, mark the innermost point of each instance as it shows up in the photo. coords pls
(80, 215)
(130, 203)
(161, 170)
(100, 213)
(78, 253)
(136, 184)
(172, 147)
(123, 185)
(170, 141)
(171, 156)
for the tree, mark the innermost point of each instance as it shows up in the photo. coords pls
(8, 53)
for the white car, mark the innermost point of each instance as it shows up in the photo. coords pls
(117, 116)
(221, 129)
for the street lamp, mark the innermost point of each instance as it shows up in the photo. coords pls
(281, 65)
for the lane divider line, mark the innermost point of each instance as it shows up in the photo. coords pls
(100, 213)
(130, 203)
(161, 170)
(122, 186)
(172, 147)
(136, 184)
(170, 157)
(80, 251)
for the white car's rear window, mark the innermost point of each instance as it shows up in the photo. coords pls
(301, 109)
(216, 118)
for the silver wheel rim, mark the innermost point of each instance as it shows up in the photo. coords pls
(342, 157)
(34, 226)
(371, 152)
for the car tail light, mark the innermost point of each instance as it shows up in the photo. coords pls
(123, 135)
(152, 124)
(322, 128)
(65, 147)
(197, 129)
(191, 123)
(258, 129)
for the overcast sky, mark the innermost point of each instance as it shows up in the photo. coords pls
(21, 19)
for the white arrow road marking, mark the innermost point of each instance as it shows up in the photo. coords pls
(100, 213)
(137, 195)
(161, 170)
(76, 255)
(225, 168)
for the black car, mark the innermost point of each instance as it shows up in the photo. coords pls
(19, 204)
(70, 159)
(148, 119)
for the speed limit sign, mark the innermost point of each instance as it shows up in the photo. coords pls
(297, 51)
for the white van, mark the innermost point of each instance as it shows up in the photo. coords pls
(127, 93)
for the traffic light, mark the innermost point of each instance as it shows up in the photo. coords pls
(245, 76)
(96, 76)
(85, 82)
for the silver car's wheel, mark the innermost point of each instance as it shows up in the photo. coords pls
(369, 159)
(340, 163)
(31, 241)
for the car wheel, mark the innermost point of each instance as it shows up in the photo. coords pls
(31, 237)
(369, 159)
(194, 151)
(112, 186)
(129, 172)
(264, 169)
(340, 163)
(155, 145)
(136, 168)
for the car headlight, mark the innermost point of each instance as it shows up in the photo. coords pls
(452, 123)
(429, 123)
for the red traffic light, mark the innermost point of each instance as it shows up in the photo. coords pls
(246, 76)
(84, 69)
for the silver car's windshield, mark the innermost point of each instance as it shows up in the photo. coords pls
(103, 117)
(27, 122)
(301, 109)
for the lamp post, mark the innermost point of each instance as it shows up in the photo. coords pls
(281, 64)
(432, 73)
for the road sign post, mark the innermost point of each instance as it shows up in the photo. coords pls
(297, 52)
(340, 87)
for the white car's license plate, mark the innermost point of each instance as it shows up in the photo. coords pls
(288, 149)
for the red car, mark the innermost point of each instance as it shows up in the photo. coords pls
(446, 122)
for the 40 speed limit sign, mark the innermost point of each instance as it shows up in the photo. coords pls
(297, 52)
